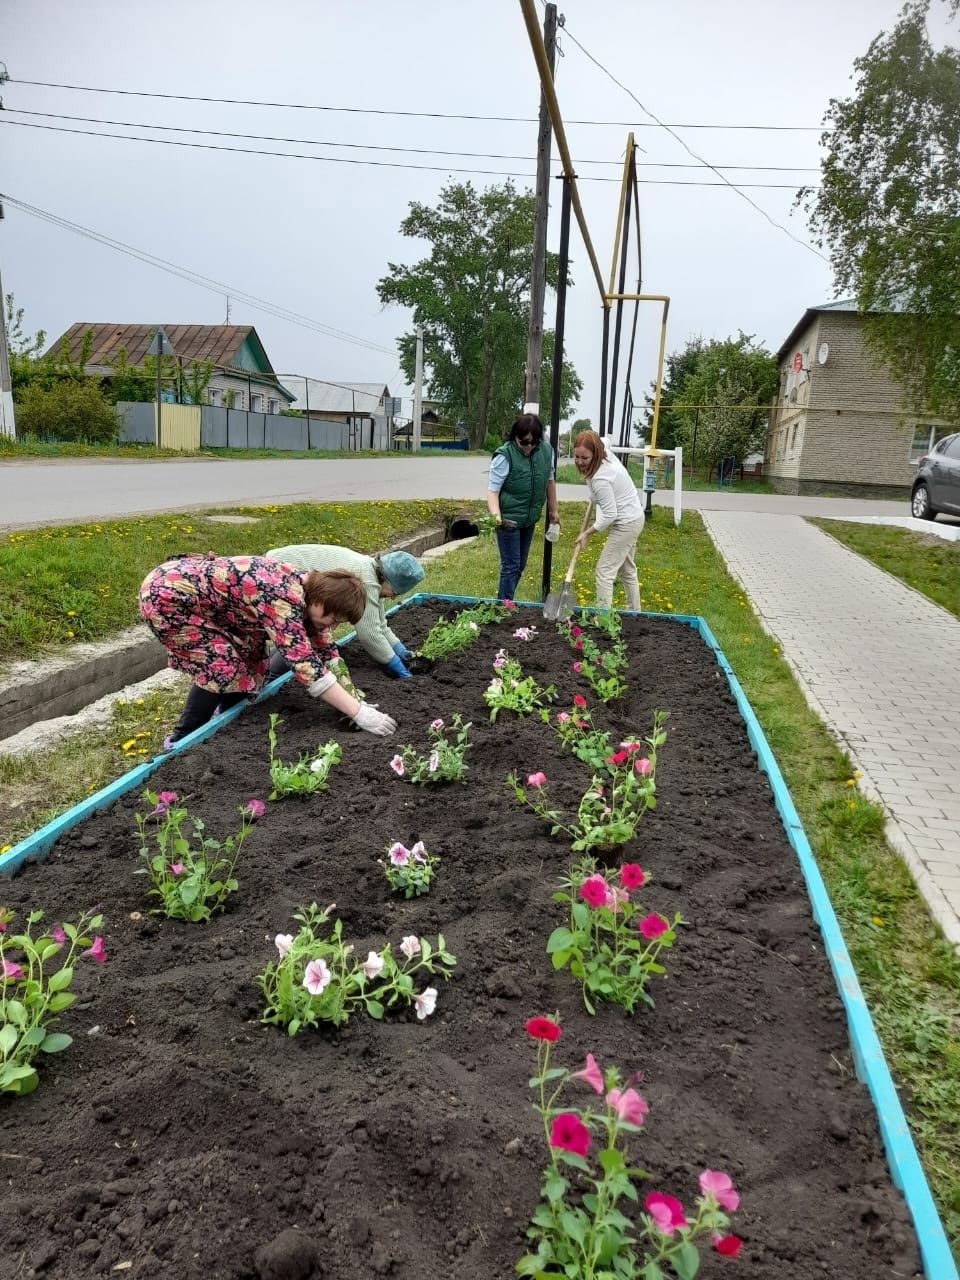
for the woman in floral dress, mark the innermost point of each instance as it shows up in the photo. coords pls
(215, 614)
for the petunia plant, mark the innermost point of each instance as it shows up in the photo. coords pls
(409, 871)
(589, 1224)
(605, 670)
(576, 731)
(37, 970)
(191, 875)
(308, 774)
(511, 690)
(611, 943)
(318, 978)
(448, 636)
(613, 804)
(445, 760)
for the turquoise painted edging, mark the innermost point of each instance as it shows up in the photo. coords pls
(905, 1167)
(871, 1065)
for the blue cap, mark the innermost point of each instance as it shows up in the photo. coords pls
(402, 570)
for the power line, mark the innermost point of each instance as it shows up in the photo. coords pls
(379, 164)
(376, 146)
(193, 277)
(689, 150)
(422, 115)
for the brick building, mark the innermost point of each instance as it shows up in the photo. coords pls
(838, 423)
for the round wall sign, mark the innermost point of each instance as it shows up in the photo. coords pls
(823, 353)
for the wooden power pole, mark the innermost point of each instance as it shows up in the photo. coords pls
(538, 275)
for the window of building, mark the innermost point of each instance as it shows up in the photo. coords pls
(793, 437)
(256, 402)
(925, 436)
(273, 406)
(238, 402)
(213, 395)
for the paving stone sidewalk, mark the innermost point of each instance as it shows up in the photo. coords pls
(879, 664)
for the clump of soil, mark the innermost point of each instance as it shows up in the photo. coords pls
(179, 1135)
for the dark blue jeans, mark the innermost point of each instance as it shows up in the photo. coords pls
(514, 547)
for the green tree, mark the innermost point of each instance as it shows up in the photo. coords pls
(888, 207)
(471, 295)
(718, 391)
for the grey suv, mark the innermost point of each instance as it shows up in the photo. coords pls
(937, 486)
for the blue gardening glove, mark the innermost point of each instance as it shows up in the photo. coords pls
(402, 652)
(397, 669)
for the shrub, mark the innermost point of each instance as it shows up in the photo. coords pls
(66, 410)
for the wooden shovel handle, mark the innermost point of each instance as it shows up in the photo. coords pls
(576, 550)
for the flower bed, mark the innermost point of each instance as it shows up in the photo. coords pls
(180, 1135)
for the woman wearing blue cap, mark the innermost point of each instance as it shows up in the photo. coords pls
(384, 577)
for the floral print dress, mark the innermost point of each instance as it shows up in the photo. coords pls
(215, 614)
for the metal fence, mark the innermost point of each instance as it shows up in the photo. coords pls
(244, 429)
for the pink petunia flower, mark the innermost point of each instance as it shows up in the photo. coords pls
(11, 970)
(591, 1074)
(177, 868)
(398, 854)
(720, 1187)
(578, 667)
(666, 1212)
(630, 746)
(618, 757)
(317, 977)
(373, 965)
(419, 852)
(410, 946)
(58, 935)
(569, 1133)
(508, 604)
(396, 764)
(632, 875)
(727, 1246)
(537, 780)
(629, 1105)
(576, 631)
(255, 808)
(436, 724)
(425, 1003)
(643, 767)
(542, 1029)
(579, 701)
(563, 717)
(97, 951)
(653, 926)
(593, 891)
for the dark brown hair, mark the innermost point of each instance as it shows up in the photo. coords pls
(528, 424)
(338, 591)
(590, 441)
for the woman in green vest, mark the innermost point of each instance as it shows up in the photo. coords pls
(521, 477)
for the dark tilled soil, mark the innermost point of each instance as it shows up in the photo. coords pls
(179, 1135)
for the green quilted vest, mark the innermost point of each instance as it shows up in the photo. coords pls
(525, 488)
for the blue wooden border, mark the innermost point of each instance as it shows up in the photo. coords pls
(905, 1167)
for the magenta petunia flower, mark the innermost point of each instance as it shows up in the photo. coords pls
(579, 700)
(58, 934)
(167, 797)
(255, 808)
(591, 1074)
(11, 970)
(578, 667)
(593, 891)
(720, 1187)
(728, 1246)
(97, 952)
(632, 875)
(618, 757)
(653, 926)
(628, 1104)
(542, 1029)
(537, 780)
(666, 1212)
(569, 1133)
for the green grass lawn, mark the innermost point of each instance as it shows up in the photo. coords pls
(30, 448)
(910, 975)
(929, 564)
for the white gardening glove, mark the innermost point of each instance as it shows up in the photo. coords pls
(373, 721)
(320, 686)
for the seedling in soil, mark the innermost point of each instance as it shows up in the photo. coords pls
(445, 761)
(308, 775)
(409, 871)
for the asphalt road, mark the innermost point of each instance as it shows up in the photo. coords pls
(73, 490)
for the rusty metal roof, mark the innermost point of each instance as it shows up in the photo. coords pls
(216, 343)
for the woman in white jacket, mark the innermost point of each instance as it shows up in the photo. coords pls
(618, 511)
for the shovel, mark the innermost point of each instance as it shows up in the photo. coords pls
(559, 604)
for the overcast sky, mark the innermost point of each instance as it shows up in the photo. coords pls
(314, 237)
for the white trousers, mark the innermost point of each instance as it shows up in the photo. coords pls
(616, 561)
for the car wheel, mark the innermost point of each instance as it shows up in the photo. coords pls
(920, 503)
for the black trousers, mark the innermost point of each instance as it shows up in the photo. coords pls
(199, 708)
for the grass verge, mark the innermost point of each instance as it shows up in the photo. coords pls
(30, 448)
(910, 976)
(929, 564)
(567, 473)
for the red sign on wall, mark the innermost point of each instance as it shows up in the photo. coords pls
(798, 362)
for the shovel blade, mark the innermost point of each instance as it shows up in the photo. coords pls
(559, 604)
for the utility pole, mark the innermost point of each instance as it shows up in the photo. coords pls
(8, 426)
(417, 391)
(538, 273)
